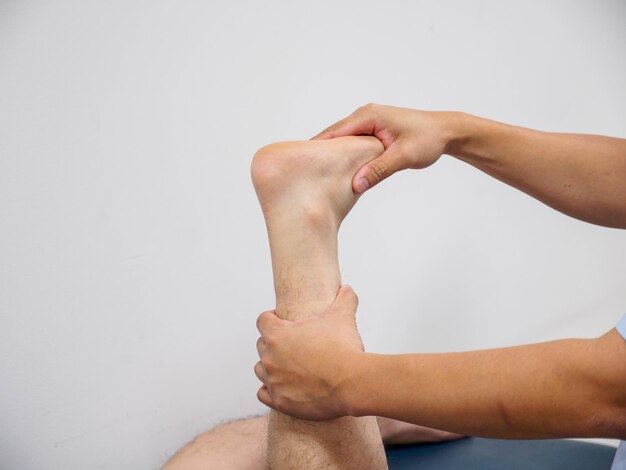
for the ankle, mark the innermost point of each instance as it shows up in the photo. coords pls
(288, 191)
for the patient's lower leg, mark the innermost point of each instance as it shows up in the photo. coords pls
(305, 192)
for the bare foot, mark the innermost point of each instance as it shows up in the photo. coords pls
(311, 178)
(311, 182)
(305, 191)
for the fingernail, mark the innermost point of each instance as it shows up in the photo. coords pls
(362, 185)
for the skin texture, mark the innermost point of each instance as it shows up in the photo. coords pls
(242, 444)
(291, 388)
(579, 175)
(304, 191)
(565, 388)
(585, 175)
(556, 389)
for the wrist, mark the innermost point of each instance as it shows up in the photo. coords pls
(478, 141)
(460, 128)
(356, 389)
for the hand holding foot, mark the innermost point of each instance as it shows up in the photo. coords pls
(412, 139)
(311, 179)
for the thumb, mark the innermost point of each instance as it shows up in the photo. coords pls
(373, 172)
(345, 303)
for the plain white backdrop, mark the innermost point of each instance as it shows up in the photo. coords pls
(133, 254)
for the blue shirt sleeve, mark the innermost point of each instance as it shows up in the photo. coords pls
(621, 327)
(620, 457)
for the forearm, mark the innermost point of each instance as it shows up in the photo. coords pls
(583, 176)
(562, 388)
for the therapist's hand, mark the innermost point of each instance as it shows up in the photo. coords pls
(305, 364)
(412, 139)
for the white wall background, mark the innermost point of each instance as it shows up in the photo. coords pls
(133, 256)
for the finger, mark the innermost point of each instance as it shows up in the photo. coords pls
(346, 301)
(372, 173)
(266, 320)
(264, 396)
(355, 124)
(260, 346)
(260, 372)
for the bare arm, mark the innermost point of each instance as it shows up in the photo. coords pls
(583, 176)
(565, 388)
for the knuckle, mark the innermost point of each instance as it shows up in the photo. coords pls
(258, 321)
(379, 171)
(268, 364)
(261, 318)
(370, 107)
(269, 340)
(261, 396)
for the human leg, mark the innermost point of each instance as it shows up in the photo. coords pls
(242, 444)
(238, 445)
(305, 191)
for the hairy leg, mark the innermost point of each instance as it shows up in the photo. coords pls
(305, 191)
(242, 444)
(238, 445)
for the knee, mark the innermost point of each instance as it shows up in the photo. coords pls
(190, 456)
(238, 444)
